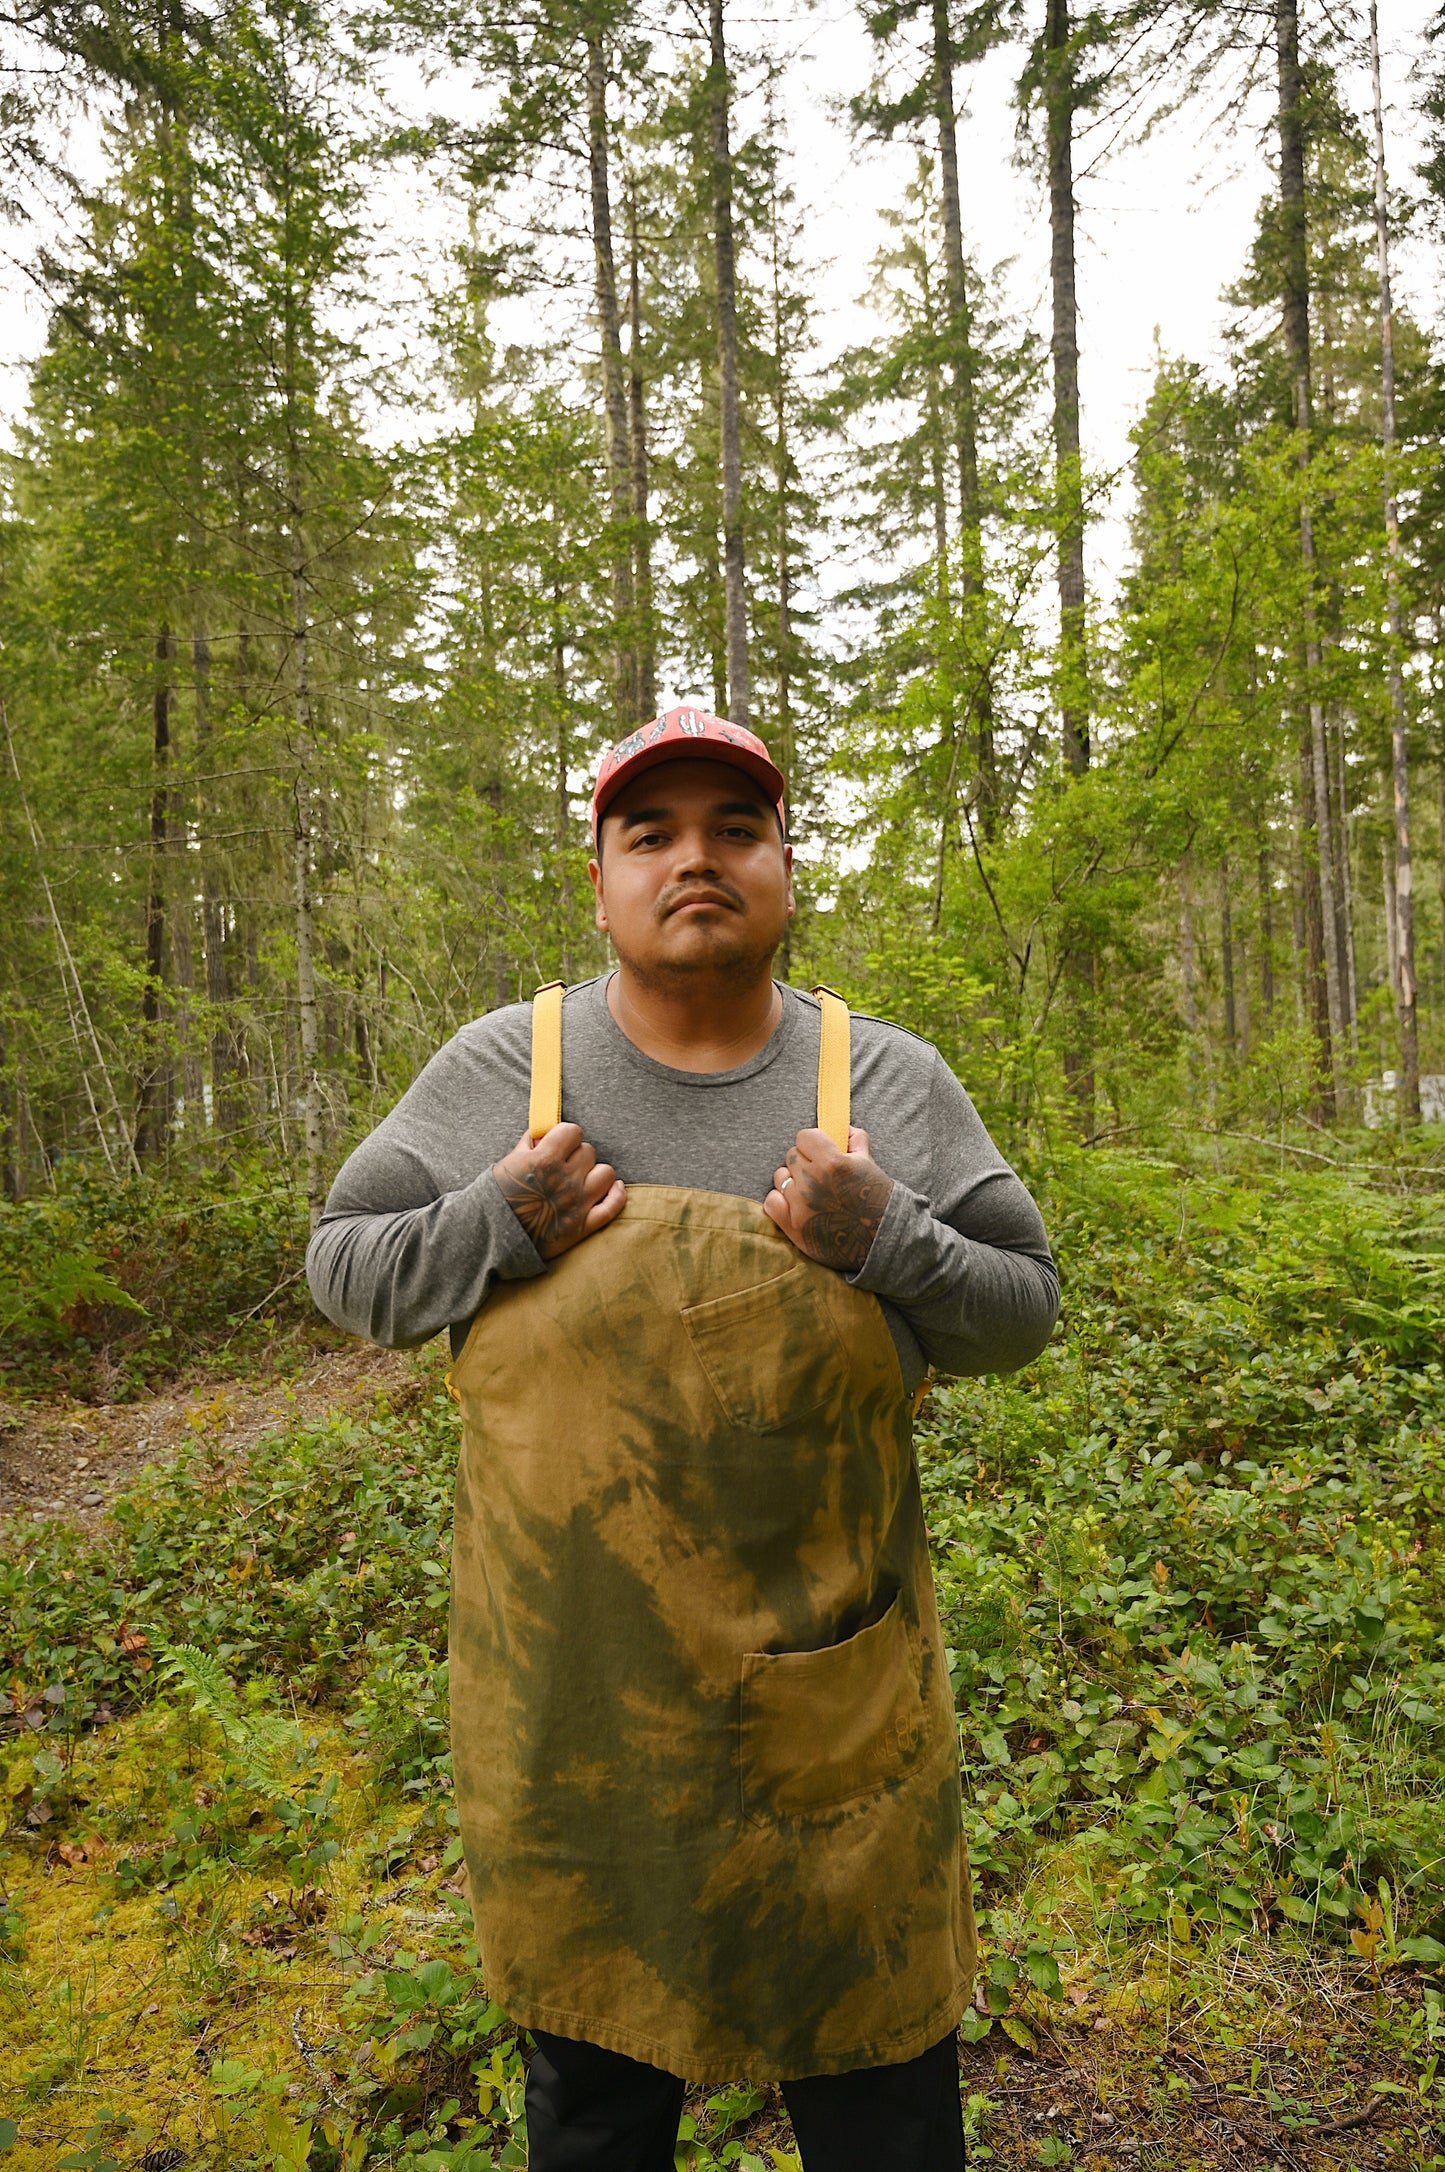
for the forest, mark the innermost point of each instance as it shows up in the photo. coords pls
(323, 587)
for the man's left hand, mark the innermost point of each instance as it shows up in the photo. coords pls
(830, 1204)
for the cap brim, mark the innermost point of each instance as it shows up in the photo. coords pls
(763, 773)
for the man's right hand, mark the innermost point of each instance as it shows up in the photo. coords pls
(558, 1189)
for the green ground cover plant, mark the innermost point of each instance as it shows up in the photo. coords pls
(107, 1290)
(1191, 1564)
(1191, 1582)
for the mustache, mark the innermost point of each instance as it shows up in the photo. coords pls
(688, 893)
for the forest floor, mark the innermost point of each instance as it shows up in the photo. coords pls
(1190, 1570)
(71, 1459)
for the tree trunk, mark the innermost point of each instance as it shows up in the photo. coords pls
(614, 391)
(1068, 478)
(1079, 965)
(1188, 969)
(1266, 933)
(1408, 1095)
(1392, 921)
(729, 407)
(310, 1078)
(1226, 948)
(183, 969)
(1309, 933)
(223, 1051)
(1347, 893)
(960, 327)
(1325, 850)
(562, 760)
(154, 1113)
(1319, 888)
(642, 601)
(937, 476)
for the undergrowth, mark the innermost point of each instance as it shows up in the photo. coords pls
(1192, 1588)
(106, 1291)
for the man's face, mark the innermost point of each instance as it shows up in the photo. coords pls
(693, 875)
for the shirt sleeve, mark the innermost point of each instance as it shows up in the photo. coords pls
(397, 1256)
(969, 1269)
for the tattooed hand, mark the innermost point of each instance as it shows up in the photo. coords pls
(830, 1204)
(558, 1189)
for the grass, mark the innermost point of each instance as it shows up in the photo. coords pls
(1192, 1584)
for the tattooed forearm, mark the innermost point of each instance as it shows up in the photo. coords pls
(549, 1201)
(845, 1207)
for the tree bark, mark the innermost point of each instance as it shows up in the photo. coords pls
(614, 390)
(223, 1051)
(562, 756)
(1226, 950)
(1266, 933)
(1309, 934)
(154, 1114)
(1319, 883)
(1080, 970)
(960, 328)
(739, 691)
(1408, 1095)
(642, 594)
(1073, 656)
(1347, 892)
(305, 921)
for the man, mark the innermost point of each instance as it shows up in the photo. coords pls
(705, 1753)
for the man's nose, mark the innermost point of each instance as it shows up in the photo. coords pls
(694, 854)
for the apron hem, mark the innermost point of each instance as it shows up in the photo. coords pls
(697, 2066)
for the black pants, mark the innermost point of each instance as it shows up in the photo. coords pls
(595, 2111)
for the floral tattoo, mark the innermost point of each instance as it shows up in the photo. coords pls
(845, 1207)
(549, 1202)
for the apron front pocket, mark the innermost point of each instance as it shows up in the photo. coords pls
(772, 1353)
(819, 1729)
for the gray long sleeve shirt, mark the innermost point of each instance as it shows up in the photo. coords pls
(416, 1233)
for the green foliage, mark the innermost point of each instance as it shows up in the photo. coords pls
(280, 1569)
(1190, 1566)
(106, 1289)
(1192, 1589)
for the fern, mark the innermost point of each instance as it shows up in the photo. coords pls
(262, 1744)
(51, 1286)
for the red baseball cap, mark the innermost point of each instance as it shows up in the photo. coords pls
(687, 731)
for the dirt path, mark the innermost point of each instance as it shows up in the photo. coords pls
(72, 1459)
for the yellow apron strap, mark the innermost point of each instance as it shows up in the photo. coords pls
(544, 1106)
(544, 1109)
(835, 1068)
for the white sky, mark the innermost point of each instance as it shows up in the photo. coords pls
(1163, 226)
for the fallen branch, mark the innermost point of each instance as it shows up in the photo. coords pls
(1344, 2124)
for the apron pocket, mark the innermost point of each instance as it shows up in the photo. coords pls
(819, 1729)
(771, 1353)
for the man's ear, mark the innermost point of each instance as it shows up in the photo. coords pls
(594, 870)
(788, 864)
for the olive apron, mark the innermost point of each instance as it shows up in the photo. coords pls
(706, 1765)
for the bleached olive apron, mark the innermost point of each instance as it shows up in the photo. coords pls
(706, 1765)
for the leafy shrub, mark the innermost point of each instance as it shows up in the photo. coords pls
(281, 1568)
(400, 1711)
(106, 1290)
(1190, 1565)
